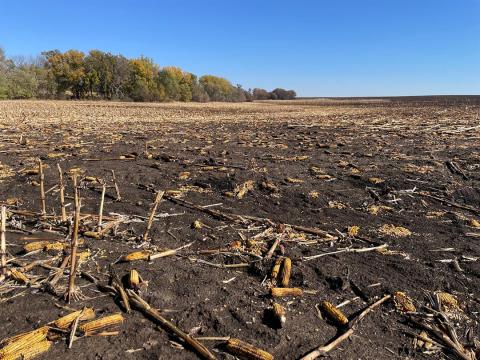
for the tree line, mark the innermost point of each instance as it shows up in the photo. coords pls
(101, 75)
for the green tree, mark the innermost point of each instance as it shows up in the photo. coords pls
(177, 84)
(143, 84)
(69, 71)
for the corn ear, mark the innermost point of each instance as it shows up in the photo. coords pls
(65, 321)
(14, 345)
(286, 271)
(276, 268)
(247, 351)
(334, 314)
(137, 255)
(448, 300)
(93, 326)
(403, 303)
(82, 256)
(133, 279)
(279, 292)
(93, 234)
(57, 245)
(19, 276)
(31, 351)
(35, 245)
(197, 224)
(279, 314)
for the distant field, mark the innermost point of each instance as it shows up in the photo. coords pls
(367, 197)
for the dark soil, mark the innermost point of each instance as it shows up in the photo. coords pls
(406, 146)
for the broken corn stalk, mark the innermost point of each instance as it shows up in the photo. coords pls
(279, 292)
(162, 254)
(247, 351)
(334, 314)
(286, 271)
(65, 321)
(91, 327)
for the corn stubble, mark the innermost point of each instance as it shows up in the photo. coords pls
(31, 344)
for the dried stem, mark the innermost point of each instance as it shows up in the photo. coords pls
(74, 245)
(62, 193)
(144, 307)
(100, 211)
(42, 187)
(3, 243)
(323, 350)
(158, 197)
(117, 190)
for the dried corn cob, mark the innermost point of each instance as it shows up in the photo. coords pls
(19, 276)
(93, 326)
(82, 256)
(35, 245)
(276, 268)
(137, 255)
(353, 230)
(31, 351)
(403, 303)
(241, 190)
(93, 234)
(448, 301)
(133, 279)
(279, 314)
(278, 292)
(57, 245)
(423, 341)
(197, 224)
(65, 321)
(16, 344)
(334, 314)
(247, 351)
(286, 271)
(60, 245)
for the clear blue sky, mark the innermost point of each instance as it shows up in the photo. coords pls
(319, 48)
